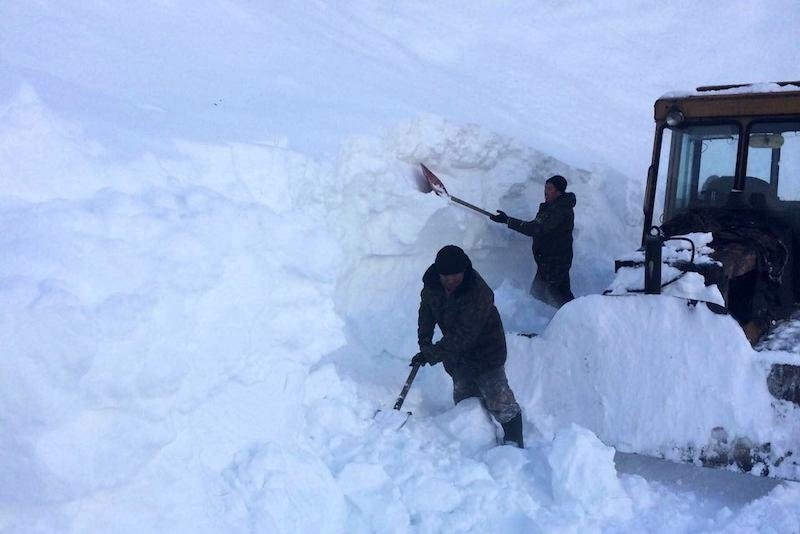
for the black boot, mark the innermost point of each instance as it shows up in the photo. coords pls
(513, 431)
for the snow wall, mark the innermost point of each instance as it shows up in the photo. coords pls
(195, 336)
(655, 375)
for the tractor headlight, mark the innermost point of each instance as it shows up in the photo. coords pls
(674, 117)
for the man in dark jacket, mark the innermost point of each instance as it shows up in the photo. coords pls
(473, 343)
(551, 231)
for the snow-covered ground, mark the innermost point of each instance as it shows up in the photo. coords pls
(213, 241)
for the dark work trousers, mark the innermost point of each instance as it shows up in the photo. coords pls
(551, 283)
(491, 387)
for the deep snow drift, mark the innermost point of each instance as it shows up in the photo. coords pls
(655, 375)
(209, 285)
(166, 313)
(576, 81)
(195, 351)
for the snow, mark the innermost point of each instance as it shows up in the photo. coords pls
(583, 472)
(668, 408)
(764, 87)
(213, 239)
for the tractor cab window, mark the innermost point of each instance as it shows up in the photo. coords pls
(773, 160)
(702, 166)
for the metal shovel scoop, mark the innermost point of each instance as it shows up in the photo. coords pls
(438, 187)
(394, 417)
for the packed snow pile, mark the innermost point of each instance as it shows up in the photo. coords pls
(194, 350)
(213, 239)
(159, 317)
(653, 374)
(165, 314)
(126, 314)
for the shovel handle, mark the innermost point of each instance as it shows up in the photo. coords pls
(407, 386)
(470, 206)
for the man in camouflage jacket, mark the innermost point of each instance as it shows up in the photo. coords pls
(551, 231)
(473, 343)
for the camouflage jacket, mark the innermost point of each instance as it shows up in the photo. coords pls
(473, 339)
(551, 230)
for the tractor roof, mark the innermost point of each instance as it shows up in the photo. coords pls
(731, 101)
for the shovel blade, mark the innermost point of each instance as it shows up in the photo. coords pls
(434, 181)
(391, 419)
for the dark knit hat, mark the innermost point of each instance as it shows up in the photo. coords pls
(558, 181)
(451, 260)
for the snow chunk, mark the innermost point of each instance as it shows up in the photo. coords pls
(432, 494)
(280, 489)
(470, 425)
(375, 495)
(583, 473)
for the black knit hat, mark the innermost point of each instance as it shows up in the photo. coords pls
(451, 260)
(558, 181)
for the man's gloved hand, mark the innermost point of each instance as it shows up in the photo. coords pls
(418, 359)
(499, 217)
(425, 355)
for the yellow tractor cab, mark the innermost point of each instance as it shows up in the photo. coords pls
(726, 161)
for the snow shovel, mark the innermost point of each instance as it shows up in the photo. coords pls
(438, 187)
(395, 417)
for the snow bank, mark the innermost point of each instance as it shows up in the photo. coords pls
(195, 338)
(156, 317)
(163, 317)
(650, 374)
(199, 343)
